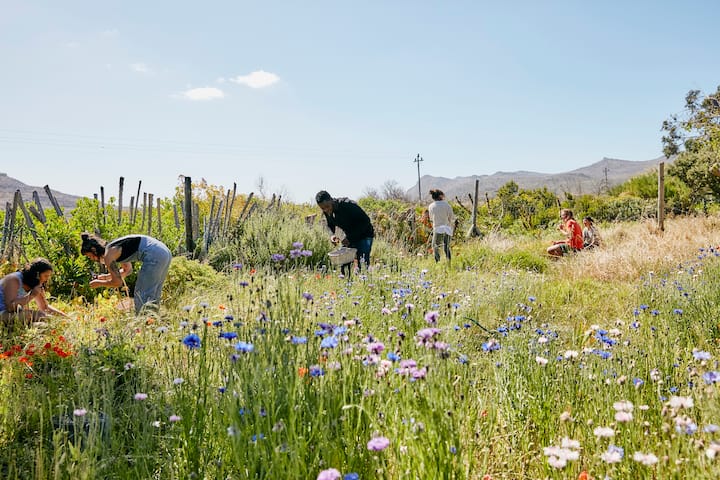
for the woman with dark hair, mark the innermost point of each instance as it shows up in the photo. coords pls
(591, 236)
(441, 214)
(19, 288)
(117, 256)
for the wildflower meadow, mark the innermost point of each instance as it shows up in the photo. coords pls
(602, 365)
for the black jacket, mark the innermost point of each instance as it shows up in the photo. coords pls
(353, 220)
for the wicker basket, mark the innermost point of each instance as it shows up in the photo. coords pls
(342, 256)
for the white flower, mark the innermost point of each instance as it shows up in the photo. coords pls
(654, 374)
(680, 402)
(712, 450)
(612, 456)
(542, 340)
(623, 417)
(565, 416)
(570, 354)
(541, 361)
(570, 443)
(623, 406)
(604, 432)
(647, 459)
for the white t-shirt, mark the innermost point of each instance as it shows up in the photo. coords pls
(442, 217)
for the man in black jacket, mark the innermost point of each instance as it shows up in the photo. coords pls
(346, 214)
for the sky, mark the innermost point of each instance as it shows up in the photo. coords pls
(293, 97)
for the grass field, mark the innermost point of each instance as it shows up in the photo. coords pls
(505, 365)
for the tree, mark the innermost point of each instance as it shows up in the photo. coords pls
(697, 128)
(391, 190)
(695, 138)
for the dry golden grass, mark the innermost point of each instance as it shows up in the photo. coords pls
(633, 249)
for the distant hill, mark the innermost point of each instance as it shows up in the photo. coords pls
(9, 185)
(592, 179)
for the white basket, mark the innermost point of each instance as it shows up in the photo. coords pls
(342, 255)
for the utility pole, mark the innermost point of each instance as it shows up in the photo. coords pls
(417, 160)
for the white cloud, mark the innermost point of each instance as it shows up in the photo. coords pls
(203, 93)
(140, 68)
(257, 79)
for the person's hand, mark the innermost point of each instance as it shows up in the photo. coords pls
(37, 291)
(346, 242)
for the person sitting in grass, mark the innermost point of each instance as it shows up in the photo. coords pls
(591, 236)
(19, 288)
(573, 233)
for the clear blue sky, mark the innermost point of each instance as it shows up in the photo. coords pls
(338, 95)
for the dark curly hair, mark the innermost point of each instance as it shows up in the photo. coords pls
(31, 272)
(92, 244)
(436, 194)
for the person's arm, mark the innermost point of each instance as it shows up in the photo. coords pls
(12, 301)
(116, 272)
(44, 306)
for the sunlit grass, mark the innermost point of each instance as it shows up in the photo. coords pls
(477, 369)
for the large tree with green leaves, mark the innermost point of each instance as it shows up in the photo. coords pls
(694, 136)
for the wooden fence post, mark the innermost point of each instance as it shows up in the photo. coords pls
(142, 222)
(149, 213)
(175, 215)
(189, 243)
(661, 196)
(54, 202)
(6, 227)
(120, 199)
(159, 219)
(41, 211)
(102, 204)
(474, 231)
(134, 217)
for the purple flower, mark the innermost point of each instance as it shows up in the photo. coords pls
(277, 257)
(306, 253)
(329, 474)
(237, 266)
(432, 317)
(307, 296)
(298, 340)
(228, 335)
(378, 443)
(297, 245)
(351, 476)
(375, 347)
(711, 377)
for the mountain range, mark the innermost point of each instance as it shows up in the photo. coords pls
(9, 185)
(592, 179)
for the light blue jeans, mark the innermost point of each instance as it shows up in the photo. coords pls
(155, 258)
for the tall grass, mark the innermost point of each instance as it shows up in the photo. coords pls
(477, 369)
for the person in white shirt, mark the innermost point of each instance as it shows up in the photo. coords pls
(441, 214)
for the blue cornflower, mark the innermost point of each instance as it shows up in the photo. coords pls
(243, 284)
(463, 359)
(307, 296)
(644, 307)
(257, 437)
(638, 382)
(351, 476)
(204, 304)
(244, 347)
(711, 377)
(531, 299)
(237, 266)
(654, 312)
(635, 325)
(678, 311)
(297, 245)
(329, 342)
(298, 340)
(393, 357)
(702, 355)
(228, 335)
(192, 341)
(316, 371)
(277, 257)
(217, 323)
